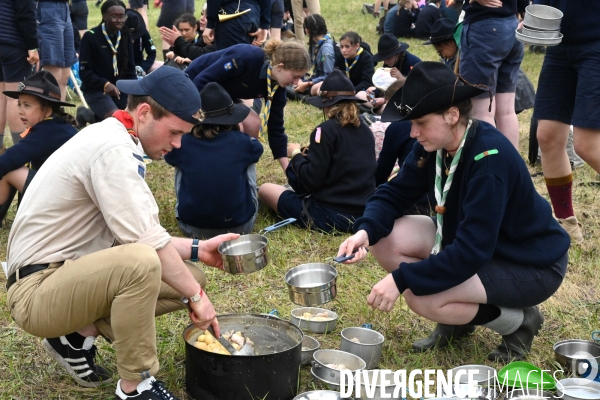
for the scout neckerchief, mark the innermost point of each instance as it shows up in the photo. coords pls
(196, 37)
(26, 131)
(440, 197)
(353, 63)
(318, 47)
(264, 120)
(114, 48)
(127, 121)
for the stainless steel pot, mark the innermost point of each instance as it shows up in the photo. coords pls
(311, 284)
(321, 395)
(535, 33)
(577, 355)
(536, 40)
(369, 348)
(541, 17)
(578, 389)
(528, 394)
(314, 326)
(248, 253)
(482, 388)
(271, 374)
(330, 375)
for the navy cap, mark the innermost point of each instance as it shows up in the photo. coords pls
(169, 87)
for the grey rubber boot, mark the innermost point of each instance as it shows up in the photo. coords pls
(517, 345)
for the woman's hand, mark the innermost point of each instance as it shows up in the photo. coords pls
(208, 252)
(396, 74)
(360, 241)
(169, 35)
(170, 55)
(301, 86)
(384, 294)
(371, 90)
(291, 147)
(112, 91)
(208, 36)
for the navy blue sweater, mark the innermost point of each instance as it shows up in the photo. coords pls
(242, 71)
(43, 139)
(214, 192)
(426, 18)
(361, 74)
(96, 68)
(492, 210)
(230, 6)
(476, 12)
(19, 24)
(580, 19)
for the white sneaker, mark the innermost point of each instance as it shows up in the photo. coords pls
(148, 389)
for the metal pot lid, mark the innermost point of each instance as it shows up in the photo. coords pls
(579, 388)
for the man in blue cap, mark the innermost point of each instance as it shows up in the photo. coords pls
(87, 255)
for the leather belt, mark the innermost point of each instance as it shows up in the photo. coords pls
(23, 272)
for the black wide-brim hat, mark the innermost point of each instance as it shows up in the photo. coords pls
(135, 23)
(335, 88)
(430, 87)
(218, 108)
(388, 46)
(441, 30)
(42, 84)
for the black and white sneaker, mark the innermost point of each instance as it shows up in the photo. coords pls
(79, 363)
(149, 389)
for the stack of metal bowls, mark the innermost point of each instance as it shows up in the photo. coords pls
(541, 26)
(309, 346)
(322, 370)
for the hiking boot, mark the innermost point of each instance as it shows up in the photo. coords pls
(442, 336)
(79, 363)
(516, 346)
(573, 228)
(148, 389)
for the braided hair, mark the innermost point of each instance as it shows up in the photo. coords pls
(125, 35)
(316, 26)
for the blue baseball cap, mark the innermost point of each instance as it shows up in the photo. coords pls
(169, 87)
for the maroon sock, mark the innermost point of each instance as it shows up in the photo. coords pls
(561, 195)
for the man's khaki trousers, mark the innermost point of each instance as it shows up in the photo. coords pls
(118, 289)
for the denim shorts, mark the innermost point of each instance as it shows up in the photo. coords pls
(491, 55)
(291, 205)
(569, 85)
(79, 14)
(14, 66)
(101, 104)
(55, 34)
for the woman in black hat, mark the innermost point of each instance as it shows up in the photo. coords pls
(333, 180)
(494, 251)
(218, 194)
(47, 127)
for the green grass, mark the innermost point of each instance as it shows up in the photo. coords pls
(27, 372)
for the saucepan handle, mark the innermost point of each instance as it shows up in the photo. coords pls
(278, 225)
(367, 326)
(341, 259)
(596, 336)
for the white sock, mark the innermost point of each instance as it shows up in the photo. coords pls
(510, 320)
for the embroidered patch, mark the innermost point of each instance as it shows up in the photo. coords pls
(318, 135)
(485, 154)
(227, 66)
(138, 157)
(141, 172)
(234, 63)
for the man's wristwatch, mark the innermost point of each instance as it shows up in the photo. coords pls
(194, 256)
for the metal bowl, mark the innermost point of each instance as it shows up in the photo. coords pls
(329, 375)
(578, 389)
(528, 394)
(537, 41)
(244, 255)
(535, 33)
(369, 348)
(485, 376)
(311, 284)
(576, 355)
(541, 17)
(321, 395)
(314, 326)
(311, 345)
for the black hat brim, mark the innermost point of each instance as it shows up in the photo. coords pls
(431, 103)
(322, 102)
(15, 95)
(438, 39)
(237, 115)
(381, 56)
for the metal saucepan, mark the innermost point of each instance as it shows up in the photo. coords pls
(248, 253)
(483, 386)
(368, 347)
(311, 284)
(309, 346)
(578, 389)
(321, 395)
(331, 376)
(540, 34)
(541, 17)
(380, 392)
(577, 355)
(313, 325)
(528, 394)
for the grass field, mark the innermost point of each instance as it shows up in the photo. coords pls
(27, 372)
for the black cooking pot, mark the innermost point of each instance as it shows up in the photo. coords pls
(271, 374)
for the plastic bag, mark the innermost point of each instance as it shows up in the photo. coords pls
(382, 79)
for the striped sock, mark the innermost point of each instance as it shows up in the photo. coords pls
(561, 195)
